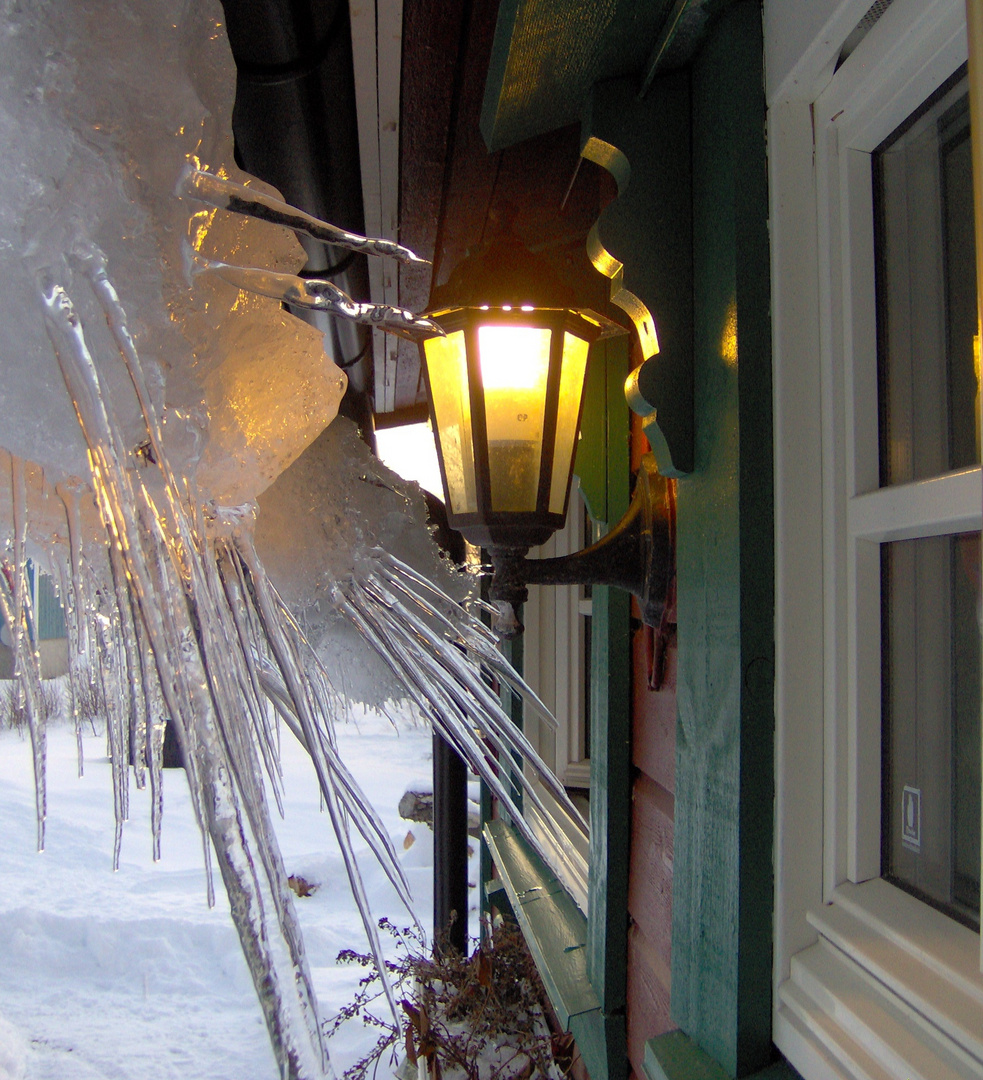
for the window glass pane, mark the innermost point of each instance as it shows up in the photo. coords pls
(926, 293)
(930, 590)
(515, 365)
(447, 370)
(572, 372)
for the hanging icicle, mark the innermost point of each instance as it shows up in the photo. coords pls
(180, 624)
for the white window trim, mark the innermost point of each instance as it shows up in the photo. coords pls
(553, 655)
(838, 1011)
(553, 665)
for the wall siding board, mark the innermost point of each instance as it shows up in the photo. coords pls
(650, 883)
(648, 993)
(654, 718)
(610, 802)
(650, 876)
(722, 885)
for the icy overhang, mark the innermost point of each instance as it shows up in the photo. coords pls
(101, 105)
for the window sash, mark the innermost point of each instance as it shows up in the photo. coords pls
(889, 75)
(828, 839)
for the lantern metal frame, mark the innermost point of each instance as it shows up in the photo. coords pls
(504, 284)
(486, 526)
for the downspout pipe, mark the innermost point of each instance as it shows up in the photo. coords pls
(295, 126)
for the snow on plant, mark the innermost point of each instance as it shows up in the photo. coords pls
(477, 1017)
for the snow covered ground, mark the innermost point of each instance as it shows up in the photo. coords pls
(130, 976)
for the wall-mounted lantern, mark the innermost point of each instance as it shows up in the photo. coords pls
(505, 386)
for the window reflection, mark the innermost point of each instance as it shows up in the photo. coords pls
(926, 292)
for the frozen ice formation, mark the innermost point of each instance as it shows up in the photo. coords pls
(316, 294)
(181, 622)
(101, 106)
(225, 194)
(343, 505)
(145, 422)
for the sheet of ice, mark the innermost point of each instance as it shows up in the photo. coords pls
(130, 975)
(341, 502)
(101, 106)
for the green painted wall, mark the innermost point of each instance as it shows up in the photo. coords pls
(722, 875)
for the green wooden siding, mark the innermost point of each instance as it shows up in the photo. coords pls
(49, 617)
(603, 466)
(552, 924)
(674, 1056)
(722, 875)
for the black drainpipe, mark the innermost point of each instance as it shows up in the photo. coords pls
(296, 127)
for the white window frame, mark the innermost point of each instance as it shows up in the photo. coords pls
(868, 981)
(553, 665)
(553, 655)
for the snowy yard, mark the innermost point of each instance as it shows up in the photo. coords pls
(130, 976)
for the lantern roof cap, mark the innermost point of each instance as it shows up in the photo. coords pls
(503, 271)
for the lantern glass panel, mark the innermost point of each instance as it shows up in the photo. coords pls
(515, 364)
(447, 369)
(568, 414)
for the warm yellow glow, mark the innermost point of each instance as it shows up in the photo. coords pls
(514, 357)
(728, 340)
(568, 413)
(514, 362)
(447, 368)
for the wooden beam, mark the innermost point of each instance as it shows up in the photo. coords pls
(724, 798)
(610, 753)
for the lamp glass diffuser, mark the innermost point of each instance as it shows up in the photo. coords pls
(447, 368)
(514, 364)
(506, 387)
(572, 376)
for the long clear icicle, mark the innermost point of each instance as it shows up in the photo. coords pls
(225, 194)
(71, 592)
(162, 595)
(447, 686)
(15, 602)
(196, 560)
(287, 661)
(316, 294)
(207, 642)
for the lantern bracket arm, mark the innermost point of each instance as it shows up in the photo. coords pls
(636, 555)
